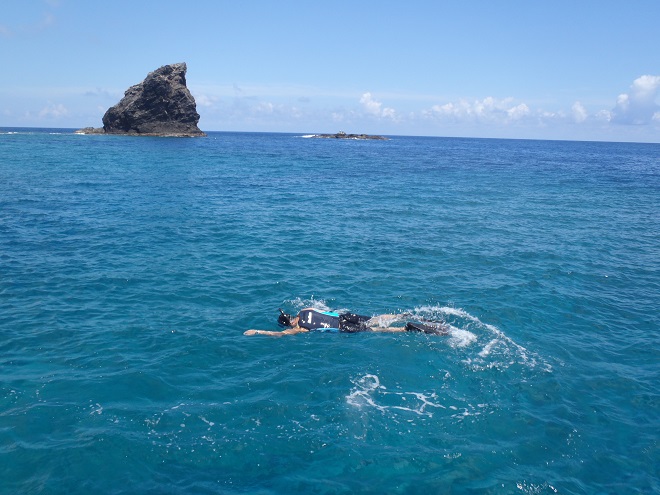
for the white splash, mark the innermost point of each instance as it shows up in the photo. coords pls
(96, 409)
(498, 345)
(368, 391)
(460, 338)
(210, 423)
(300, 303)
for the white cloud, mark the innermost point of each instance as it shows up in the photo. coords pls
(269, 111)
(518, 112)
(264, 107)
(646, 86)
(369, 104)
(373, 107)
(580, 113)
(604, 115)
(489, 109)
(638, 106)
(623, 102)
(53, 111)
(205, 101)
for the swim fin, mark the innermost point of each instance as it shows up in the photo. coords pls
(435, 329)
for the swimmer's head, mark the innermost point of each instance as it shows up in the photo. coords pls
(284, 320)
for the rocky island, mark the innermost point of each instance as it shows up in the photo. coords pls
(343, 135)
(161, 105)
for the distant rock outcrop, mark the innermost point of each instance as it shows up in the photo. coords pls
(161, 105)
(343, 135)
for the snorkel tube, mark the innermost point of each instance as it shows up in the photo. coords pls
(284, 320)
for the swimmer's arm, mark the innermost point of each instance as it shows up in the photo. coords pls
(288, 331)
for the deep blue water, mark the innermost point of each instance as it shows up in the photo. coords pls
(130, 267)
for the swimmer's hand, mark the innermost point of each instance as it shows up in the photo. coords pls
(265, 332)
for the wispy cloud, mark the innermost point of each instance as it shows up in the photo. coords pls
(46, 20)
(53, 111)
(104, 93)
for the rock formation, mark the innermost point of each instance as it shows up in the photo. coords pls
(343, 135)
(161, 105)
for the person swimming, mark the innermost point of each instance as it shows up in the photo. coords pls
(315, 320)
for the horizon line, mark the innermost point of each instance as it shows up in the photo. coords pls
(306, 133)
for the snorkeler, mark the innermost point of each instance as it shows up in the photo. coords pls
(314, 320)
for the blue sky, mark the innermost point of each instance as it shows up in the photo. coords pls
(584, 70)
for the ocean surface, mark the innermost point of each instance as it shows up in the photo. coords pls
(130, 268)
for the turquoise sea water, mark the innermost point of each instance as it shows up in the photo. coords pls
(130, 267)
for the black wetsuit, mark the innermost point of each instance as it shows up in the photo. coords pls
(329, 321)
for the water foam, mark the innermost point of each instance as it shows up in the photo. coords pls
(300, 303)
(498, 350)
(460, 338)
(368, 393)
